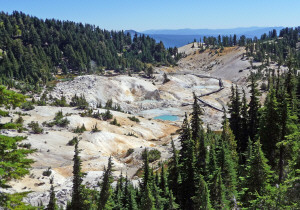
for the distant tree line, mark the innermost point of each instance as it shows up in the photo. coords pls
(282, 48)
(32, 49)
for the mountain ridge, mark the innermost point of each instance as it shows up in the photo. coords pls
(181, 37)
(188, 31)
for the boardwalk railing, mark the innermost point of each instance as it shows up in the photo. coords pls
(221, 87)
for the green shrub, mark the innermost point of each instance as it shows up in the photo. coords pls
(60, 102)
(27, 106)
(115, 122)
(79, 129)
(58, 120)
(129, 152)
(25, 145)
(153, 155)
(35, 127)
(73, 141)
(131, 134)
(22, 114)
(263, 86)
(79, 102)
(99, 105)
(109, 105)
(47, 172)
(10, 126)
(88, 113)
(107, 115)
(4, 113)
(41, 103)
(20, 120)
(166, 79)
(95, 129)
(135, 119)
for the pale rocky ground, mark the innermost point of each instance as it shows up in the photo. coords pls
(145, 98)
(52, 150)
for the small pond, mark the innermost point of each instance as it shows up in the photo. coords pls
(167, 117)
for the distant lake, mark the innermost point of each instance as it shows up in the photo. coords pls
(167, 117)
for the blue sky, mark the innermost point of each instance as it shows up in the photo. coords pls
(163, 14)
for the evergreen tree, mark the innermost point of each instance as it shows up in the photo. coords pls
(174, 177)
(228, 172)
(187, 165)
(105, 199)
(288, 124)
(52, 202)
(234, 111)
(131, 199)
(242, 142)
(254, 106)
(147, 176)
(196, 122)
(201, 199)
(147, 200)
(228, 139)
(163, 182)
(198, 136)
(212, 163)
(257, 177)
(118, 195)
(172, 205)
(77, 194)
(159, 201)
(270, 128)
(217, 193)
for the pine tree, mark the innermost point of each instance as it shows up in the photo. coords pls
(234, 111)
(198, 136)
(257, 176)
(229, 139)
(290, 84)
(270, 128)
(242, 142)
(254, 106)
(131, 202)
(147, 176)
(105, 199)
(297, 93)
(227, 164)
(159, 201)
(118, 194)
(201, 199)
(147, 200)
(52, 202)
(174, 177)
(187, 165)
(163, 182)
(172, 205)
(131, 205)
(77, 195)
(288, 124)
(196, 122)
(212, 163)
(217, 192)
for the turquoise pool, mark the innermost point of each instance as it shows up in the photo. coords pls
(167, 117)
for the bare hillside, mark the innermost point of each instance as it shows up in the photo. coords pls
(229, 64)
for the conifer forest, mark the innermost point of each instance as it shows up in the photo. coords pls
(246, 157)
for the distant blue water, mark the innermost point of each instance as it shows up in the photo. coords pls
(167, 117)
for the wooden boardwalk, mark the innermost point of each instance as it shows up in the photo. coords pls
(205, 103)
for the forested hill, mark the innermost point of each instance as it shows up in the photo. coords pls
(32, 49)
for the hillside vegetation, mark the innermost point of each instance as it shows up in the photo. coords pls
(32, 49)
(251, 162)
